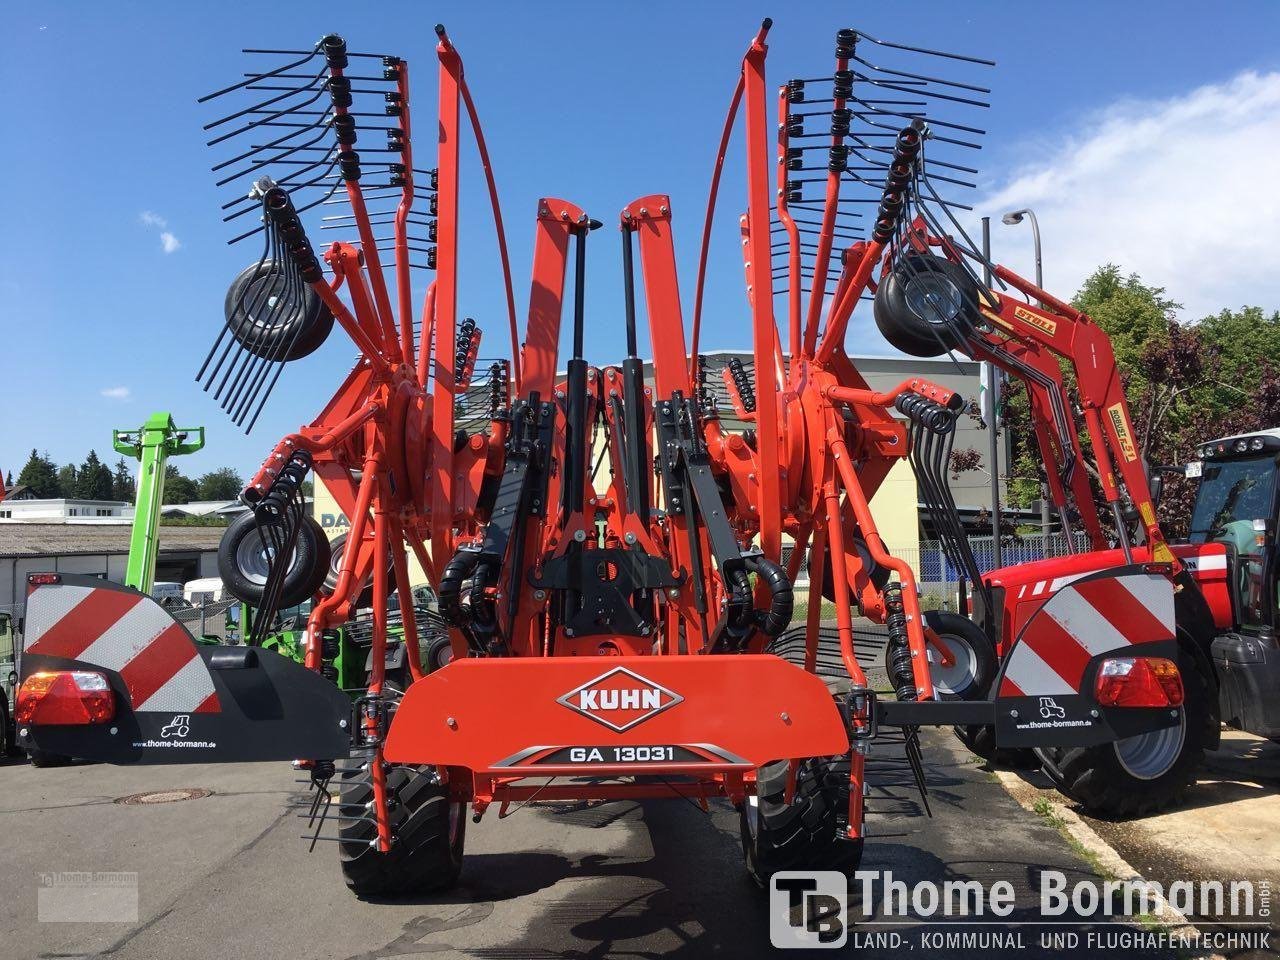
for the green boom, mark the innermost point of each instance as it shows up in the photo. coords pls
(152, 445)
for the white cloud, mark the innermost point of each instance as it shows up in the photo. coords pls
(116, 393)
(168, 241)
(1177, 190)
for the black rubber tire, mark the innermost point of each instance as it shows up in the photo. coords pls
(809, 833)
(429, 834)
(303, 579)
(290, 333)
(365, 600)
(899, 323)
(7, 732)
(1096, 779)
(980, 739)
(439, 653)
(963, 631)
(43, 759)
(877, 574)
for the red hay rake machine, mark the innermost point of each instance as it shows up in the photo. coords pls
(619, 636)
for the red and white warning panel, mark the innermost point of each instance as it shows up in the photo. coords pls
(126, 632)
(1098, 660)
(1083, 620)
(109, 675)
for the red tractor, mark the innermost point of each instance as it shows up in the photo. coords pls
(607, 552)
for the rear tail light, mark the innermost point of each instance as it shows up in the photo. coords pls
(65, 697)
(1138, 682)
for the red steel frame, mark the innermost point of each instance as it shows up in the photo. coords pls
(811, 473)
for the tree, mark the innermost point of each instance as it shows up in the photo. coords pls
(93, 479)
(221, 484)
(1186, 382)
(122, 485)
(8, 480)
(177, 488)
(41, 475)
(67, 480)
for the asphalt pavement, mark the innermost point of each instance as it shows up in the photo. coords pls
(228, 875)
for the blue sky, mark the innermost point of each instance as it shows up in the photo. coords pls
(117, 267)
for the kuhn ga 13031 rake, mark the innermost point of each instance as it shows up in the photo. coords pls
(616, 635)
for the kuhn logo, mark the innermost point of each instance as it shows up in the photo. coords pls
(620, 699)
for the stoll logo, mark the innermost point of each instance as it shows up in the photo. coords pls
(807, 909)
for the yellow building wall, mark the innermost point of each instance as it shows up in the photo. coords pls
(895, 509)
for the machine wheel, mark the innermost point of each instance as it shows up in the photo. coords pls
(969, 677)
(1144, 774)
(921, 306)
(337, 550)
(242, 562)
(809, 833)
(42, 758)
(268, 328)
(429, 830)
(439, 653)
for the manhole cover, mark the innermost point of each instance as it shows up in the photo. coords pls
(165, 796)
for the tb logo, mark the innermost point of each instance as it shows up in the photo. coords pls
(807, 909)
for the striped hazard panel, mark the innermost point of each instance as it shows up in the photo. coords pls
(128, 633)
(1082, 620)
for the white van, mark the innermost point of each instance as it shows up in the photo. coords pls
(208, 589)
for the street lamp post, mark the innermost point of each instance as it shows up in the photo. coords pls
(1012, 218)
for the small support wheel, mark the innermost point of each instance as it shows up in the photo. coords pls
(243, 563)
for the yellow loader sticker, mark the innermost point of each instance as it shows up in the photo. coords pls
(1036, 320)
(1120, 423)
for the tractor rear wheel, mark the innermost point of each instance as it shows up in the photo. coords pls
(808, 833)
(1139, 775)
(428, 829)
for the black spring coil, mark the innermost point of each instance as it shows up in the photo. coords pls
(901, 675)
(499, 391)
(462, 347)
(840, 121)
(742, 383)
(707, 402)
(842, 85)
(845, 41)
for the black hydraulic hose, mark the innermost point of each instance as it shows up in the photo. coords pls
(484, 611)
(781, 597)
(739, 611)
(449, 595)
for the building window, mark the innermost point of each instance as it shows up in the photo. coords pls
(104, 513)
(6, 514)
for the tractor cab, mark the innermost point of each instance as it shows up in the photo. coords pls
(1237, 506)
(1233, 525)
